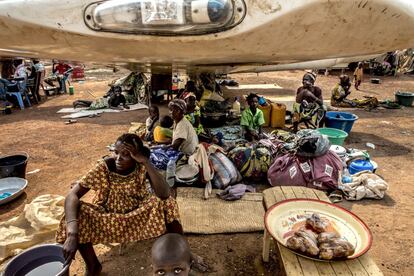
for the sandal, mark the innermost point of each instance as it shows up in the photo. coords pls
(71, 122)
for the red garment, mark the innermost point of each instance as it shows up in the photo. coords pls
(61, 68)
(320, 172)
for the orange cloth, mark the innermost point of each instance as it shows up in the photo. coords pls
(162, 135)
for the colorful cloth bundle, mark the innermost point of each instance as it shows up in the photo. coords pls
(253, 161)
(160, 156)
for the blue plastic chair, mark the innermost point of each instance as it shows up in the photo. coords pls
(19, 95)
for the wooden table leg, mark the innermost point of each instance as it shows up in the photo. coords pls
(266, 246)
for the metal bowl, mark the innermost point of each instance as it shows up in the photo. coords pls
(13, 185)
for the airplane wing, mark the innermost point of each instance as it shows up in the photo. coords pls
(204, 35)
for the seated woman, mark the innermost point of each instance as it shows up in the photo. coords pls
(342, 90)
(124, 210)
(308, 107)
(252, 119)
(163, 133)
(184, 136)
(190, 87)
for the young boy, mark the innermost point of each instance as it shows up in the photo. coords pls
(151, 122)
(171, 255)
(117, 99)
(252, 119)
(358, 75)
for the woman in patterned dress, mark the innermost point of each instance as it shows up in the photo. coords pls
(124, 208)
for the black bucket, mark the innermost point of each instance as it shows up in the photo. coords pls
(14, 165)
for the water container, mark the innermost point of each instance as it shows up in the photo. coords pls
(404, 98)
(277, 117)
(71, 90)
(170, 174)
(266, 109)
(236, 107)
(360, 165)
(340, 120)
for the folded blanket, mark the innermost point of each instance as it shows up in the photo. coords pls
(365, 184)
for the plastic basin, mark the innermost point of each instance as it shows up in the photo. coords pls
(404, 98)
(360, 165)
(14, 165)
(335, 136)
(45, 260)
(340, 120)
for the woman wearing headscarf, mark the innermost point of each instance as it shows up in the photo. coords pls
(124, 209)
(342, 90)
(308, 107)
(184, 136)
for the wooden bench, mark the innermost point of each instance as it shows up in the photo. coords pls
(293, 264)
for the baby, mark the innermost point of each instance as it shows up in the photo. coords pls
(163, 132)
(171, 255)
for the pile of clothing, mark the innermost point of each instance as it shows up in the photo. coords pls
(358, 179)
(252, 160)
(312, 164)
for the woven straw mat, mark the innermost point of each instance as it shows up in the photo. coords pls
(214, 215)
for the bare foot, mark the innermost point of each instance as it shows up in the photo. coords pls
(198, 263)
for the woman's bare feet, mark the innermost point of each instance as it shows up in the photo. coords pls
(93, 271)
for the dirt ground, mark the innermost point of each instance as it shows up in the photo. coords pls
(63, 153)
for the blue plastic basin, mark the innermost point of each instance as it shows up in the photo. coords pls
(359, 166)
(340, 120)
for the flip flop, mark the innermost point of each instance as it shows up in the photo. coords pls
(71, 122)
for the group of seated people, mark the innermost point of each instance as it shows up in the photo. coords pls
(12, 84)
(175, 130)
(184, 125)
(124, 210)
(309, 107)
(21, 74)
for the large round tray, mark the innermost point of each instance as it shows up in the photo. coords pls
(285, 217)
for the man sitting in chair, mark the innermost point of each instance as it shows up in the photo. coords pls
(308, 107)
(61, 72)
(17, 84)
